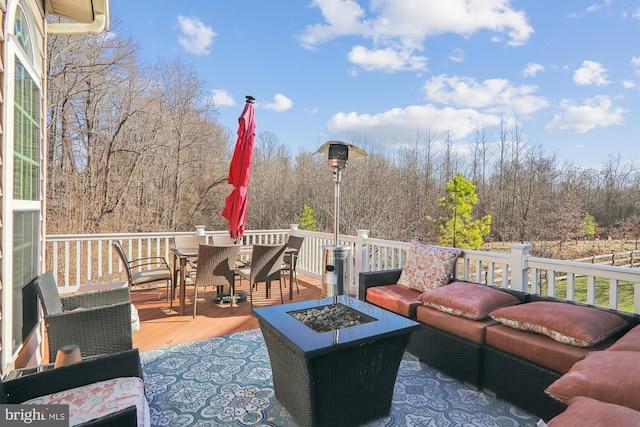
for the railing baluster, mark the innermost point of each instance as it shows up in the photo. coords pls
(591, 290)
(614, 291)
(571, 289)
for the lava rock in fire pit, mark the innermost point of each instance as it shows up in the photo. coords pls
(330, 317)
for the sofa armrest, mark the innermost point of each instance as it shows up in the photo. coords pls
(369, 279)
(90, 370)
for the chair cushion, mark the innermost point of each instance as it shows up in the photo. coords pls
(628, 342)
(536, 348)
(99, 399)
(428, 267)
(148, 276)
(566, 323)
(584, 411)
(470, 300)
(472, 330)
(397, 298)
(608, 376)
(135, 319)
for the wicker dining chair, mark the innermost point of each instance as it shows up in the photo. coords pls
(223, 240)
(291, 259)
(99, 322)
(141, 271)
(188, 243)
(265, 266)
(215, 267)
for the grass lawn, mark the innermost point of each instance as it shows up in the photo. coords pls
(625, 292)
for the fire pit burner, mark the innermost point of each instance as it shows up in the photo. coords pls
(330, 317)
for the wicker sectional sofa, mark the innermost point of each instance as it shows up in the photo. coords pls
(515, 365)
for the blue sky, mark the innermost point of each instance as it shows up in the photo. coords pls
(384, 73)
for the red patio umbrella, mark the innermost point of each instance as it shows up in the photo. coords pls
(235, 208)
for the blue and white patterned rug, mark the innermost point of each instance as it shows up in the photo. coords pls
(226, 381)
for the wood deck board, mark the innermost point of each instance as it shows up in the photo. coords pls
(161, 327)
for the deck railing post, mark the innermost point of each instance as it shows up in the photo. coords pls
(519, 267)
(361, 258)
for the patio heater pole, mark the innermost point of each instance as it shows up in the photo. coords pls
(336, 258)
(337, 178)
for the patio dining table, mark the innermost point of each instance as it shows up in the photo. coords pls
(182, 256)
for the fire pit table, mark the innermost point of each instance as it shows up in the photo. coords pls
(334, 360)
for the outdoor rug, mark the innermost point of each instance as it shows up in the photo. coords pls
(226, 381)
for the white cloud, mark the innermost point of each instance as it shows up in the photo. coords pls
(280, 103)
(493, 95)
(595, 6)
(195, 37)
(628, 84)
(388, 60)
(400, 125)
(457, 55)
(403, 26)
(635, 63)
(595, 113)
(342, 17)
(532, 69)
(591, 73)
(221, 98)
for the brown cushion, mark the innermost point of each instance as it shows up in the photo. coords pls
(566, 323)
(428, 267)
(468, 300)
(472, 330)
(396, 298)
(584, 411)
(609, 376)
(628, 342)
(536, 348)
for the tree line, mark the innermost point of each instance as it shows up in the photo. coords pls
(137, 147)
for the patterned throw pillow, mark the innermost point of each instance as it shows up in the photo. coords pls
(100, 399)
(571, 324)
(428, 267)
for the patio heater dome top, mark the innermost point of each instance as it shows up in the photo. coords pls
(340, 152)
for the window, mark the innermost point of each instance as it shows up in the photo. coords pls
(26, 136)
(23, 175)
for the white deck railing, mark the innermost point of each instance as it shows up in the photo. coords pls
(89, 260)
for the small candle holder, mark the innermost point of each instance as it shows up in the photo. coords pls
(67, 355)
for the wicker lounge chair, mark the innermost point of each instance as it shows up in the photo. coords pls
(98, 322)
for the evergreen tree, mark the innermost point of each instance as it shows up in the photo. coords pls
(458, 228)
(307, 219)
(588, 225)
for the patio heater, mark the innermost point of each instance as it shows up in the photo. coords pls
(336, 258)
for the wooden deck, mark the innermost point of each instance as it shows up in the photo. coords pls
(161, 327)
